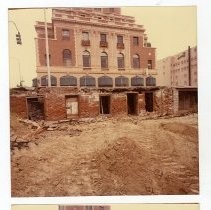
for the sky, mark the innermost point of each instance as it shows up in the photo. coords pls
(118, 207)
(170, 29)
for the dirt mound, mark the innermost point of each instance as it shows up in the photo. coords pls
(180, 128)
(124, 168)
(119, 168)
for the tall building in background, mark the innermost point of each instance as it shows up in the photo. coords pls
(95, 47)
(179, 69)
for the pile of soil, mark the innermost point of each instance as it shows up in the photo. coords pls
(121, 168)
(181, 128)
(124, 168)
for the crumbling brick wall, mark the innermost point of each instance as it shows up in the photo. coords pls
(89, 105)
(119, 103)
(141, 103)
(18, 105)
(163, 101)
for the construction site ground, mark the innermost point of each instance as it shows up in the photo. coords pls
(105, 156)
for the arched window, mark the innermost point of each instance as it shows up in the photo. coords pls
(44, 81)
(67, 57)
(87, 81)
(136, 61)
(120, 61)
(105, 81)
(121, 81)
(137, 81)
(68, 81)
(150, 81)
(86, 59)
(104, 60)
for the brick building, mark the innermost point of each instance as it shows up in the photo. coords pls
(94, 47)
(100, 207)
(178, 70)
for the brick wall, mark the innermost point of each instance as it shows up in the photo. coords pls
(56, 48)
(119, 104)
(145, 53)
(163, 101)
(18, 105)
(141, 103)
(89, 105)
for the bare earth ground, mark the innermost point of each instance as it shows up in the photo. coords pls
(116, 156)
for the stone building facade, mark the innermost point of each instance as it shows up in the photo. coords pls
(178, 70)
(94, 47)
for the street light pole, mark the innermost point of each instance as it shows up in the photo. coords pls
(47, 50)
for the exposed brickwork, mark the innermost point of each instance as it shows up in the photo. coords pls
(56, 48)
(164, 101)
(18, 105)
(119, 104)
(141, 103)
(89, 105)
(145, 53)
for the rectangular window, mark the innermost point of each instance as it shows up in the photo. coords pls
(103, 37)
(65, 34)
(119, 39)
(149, 64)
(135, 40)
(85, 36)
(86, 61)
(104, 62)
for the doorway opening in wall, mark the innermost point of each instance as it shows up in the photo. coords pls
(71, 102)
(149, 101)
(132, 103)
(188, 100)
(105, 104)
(35, 108)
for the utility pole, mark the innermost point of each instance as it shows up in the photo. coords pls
(47, 50)
(189, 65)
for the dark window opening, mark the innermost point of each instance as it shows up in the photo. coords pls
(68, 81)
(120, 39)
(149, 64)
(44, 81)
(103, 37)
(137, 81)
(104, 60)
(105, 81)
(35, 107)
(135, 40)
(65, 34)
(121, 81)
(105, 104)
(120, 61)
(149, 102)
(86, 59)
(67, 57)
(132, 103)
(136, 61)
(188, 101)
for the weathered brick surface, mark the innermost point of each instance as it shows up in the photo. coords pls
(89, 105)
(163, 101)
(18, 105)
(141, 103)
(119, 104)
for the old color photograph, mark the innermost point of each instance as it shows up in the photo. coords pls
(103, 101)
